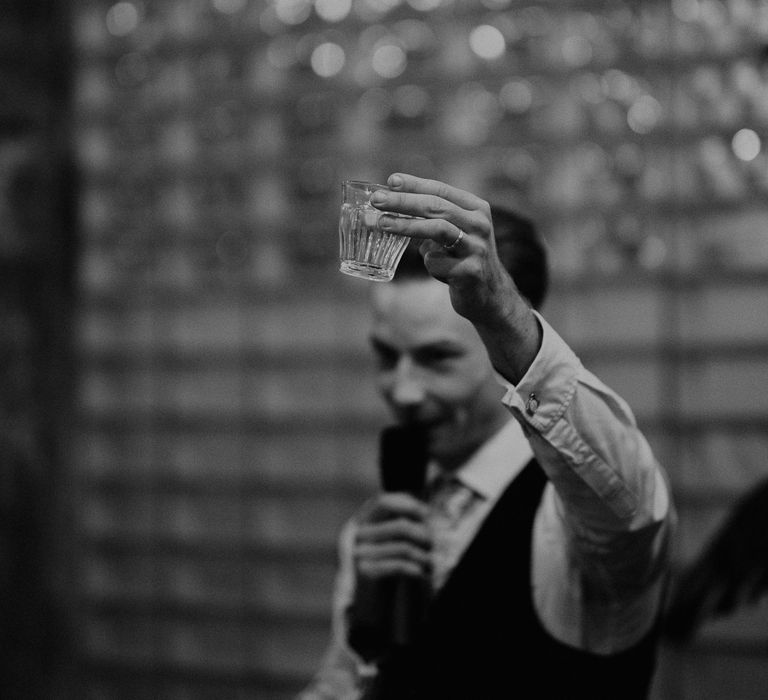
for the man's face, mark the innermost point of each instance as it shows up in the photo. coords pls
(433, 369)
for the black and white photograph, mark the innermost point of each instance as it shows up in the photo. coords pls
(383, 349)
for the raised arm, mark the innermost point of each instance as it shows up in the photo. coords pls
(607, 501)
(458, 246)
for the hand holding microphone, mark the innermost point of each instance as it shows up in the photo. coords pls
(392, 549)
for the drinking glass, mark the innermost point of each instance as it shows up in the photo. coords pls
(364, 249)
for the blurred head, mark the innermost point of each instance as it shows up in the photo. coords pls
(432, 367)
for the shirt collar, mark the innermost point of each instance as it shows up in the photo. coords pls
(495, 463)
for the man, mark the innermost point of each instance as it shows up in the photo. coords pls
(548, 581)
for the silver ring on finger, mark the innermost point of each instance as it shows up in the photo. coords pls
(456, 242)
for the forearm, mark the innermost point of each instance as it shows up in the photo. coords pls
(512, 337)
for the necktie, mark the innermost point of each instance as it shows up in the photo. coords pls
(449, 500)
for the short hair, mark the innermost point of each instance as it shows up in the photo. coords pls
(521, 250)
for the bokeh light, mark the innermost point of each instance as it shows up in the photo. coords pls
(122, 18)
(333, 10)
(327, 59)
(373, 10)
(746, 144)
(644, 114)
(577, 51)
(487, 42)
(293, 12)
(425, 5)
(416, 35)
(388, 60)
(516, 96)
(619, 86)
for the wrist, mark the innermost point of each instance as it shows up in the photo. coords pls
(513, 339)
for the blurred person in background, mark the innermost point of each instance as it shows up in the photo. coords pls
(729, 575)
(540, 542)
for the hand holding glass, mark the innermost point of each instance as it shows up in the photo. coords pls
(365, 250)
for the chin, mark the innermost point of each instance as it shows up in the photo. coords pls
(442, 445)
(441, 439)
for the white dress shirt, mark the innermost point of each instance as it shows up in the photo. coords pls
(601, 532)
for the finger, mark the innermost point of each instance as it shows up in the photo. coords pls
(427, 208)
(428, 247)
(444, 264)
(391, 568)
(389, 505)
(400, 529)
(422, 206)
(392, 551)
(438, 230)
(402, 182)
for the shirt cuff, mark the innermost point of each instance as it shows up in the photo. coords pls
(546, 389)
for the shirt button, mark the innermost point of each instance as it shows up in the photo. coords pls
(532, 404)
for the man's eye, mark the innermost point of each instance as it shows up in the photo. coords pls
(436, 358)
(385, 358)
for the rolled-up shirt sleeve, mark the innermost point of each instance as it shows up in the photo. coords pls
(605, 517)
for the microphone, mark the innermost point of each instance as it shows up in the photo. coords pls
(403, 458)
(385, 613)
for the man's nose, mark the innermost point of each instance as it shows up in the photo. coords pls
(407, 387)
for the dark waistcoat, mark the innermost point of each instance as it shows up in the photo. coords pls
(482, 639)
